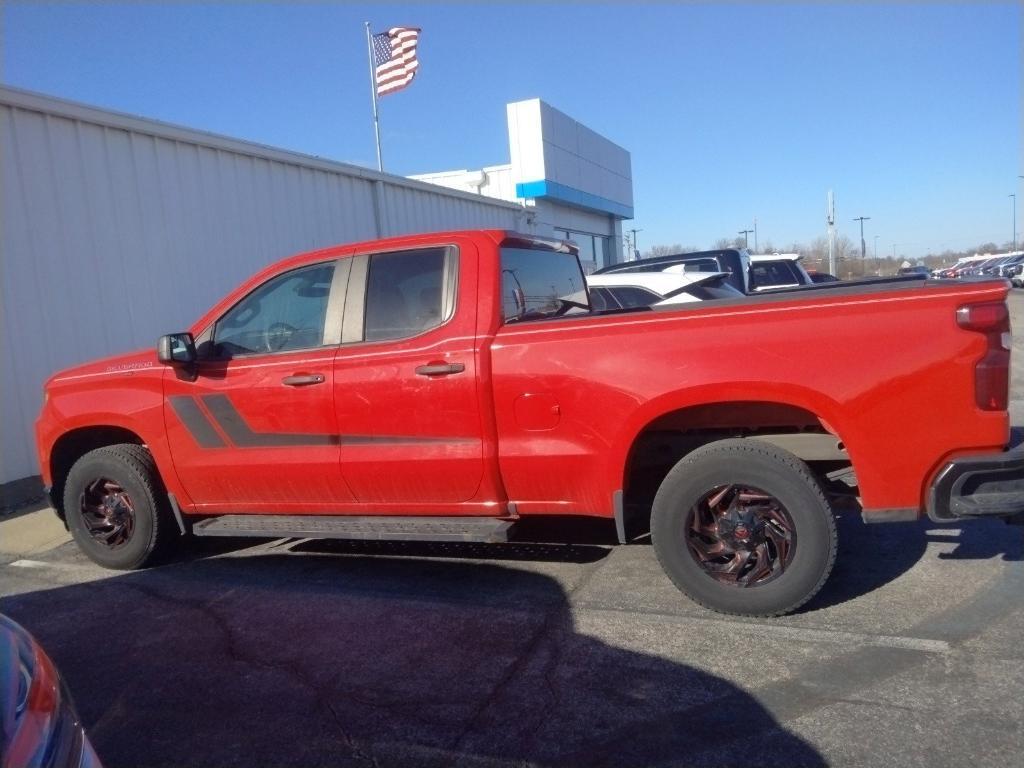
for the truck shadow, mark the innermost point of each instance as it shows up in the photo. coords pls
(871, 556)
(324, 660)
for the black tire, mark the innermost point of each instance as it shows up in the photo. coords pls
(777, 473)
(152, 529)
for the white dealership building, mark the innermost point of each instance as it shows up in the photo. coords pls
(575, 183)
(118, 228)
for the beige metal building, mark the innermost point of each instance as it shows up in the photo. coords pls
(116, 229)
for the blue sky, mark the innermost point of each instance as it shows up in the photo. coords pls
(910, 111)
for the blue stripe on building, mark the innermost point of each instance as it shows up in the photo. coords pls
(573, 196)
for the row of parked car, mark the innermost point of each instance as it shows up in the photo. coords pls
(1008, 265)
(686, 277)
(730, 273)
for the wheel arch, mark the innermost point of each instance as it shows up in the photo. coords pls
(75, 443)
(805, 423)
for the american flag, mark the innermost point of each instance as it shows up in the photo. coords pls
(394, 53)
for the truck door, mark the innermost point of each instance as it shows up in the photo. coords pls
(253, 427)
(405, 381)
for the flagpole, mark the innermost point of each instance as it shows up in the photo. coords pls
(373, 94)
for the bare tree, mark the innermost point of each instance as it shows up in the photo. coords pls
(668, 250)
(663, 250)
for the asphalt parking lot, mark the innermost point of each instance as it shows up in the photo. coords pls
(334, 654)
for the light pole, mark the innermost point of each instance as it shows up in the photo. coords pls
(1014, 196)
(755, 234)
(745, 232)
(862, 219)
(636, 249)
(876, 254)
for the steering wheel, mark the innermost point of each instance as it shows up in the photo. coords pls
(277, 335)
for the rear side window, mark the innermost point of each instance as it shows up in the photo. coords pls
(406, 294)
(601, 300)
(539, 284)
(767, 274)
(630, 296)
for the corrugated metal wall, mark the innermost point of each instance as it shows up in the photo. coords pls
(116, 229)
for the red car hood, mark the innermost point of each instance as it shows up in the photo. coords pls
(132, 362)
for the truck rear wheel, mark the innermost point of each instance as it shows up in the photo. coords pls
(116, 509)
(743, 527)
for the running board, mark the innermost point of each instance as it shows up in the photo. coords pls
(481, 529)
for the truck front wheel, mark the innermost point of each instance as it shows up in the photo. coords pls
(743, 527)
(115, 507)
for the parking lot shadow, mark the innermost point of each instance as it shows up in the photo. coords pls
(871, 556)
(327, 660)
(981, 540)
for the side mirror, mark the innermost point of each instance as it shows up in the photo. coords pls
(176, 348)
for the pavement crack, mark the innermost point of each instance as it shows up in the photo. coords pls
(555, 617)
(234, 651)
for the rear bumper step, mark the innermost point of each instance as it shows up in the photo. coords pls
(979, 486)
(478, 529)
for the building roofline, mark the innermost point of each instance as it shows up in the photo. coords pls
(46, 104)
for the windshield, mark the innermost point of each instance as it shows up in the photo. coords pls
(538, 284)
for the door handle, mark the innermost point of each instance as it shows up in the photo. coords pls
(303, 379)
(440, 369)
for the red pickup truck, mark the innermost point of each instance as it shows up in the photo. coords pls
(449, 386)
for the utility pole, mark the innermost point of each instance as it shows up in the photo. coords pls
(875, 265)
(862, 219)
(636, 249)
(830, 219)
(745, 232)
(755, 234)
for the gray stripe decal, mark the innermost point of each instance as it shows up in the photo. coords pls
(234, 427)
(195, 422)
(401, 439)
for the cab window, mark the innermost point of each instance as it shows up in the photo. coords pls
(407, 293)
(286, 313)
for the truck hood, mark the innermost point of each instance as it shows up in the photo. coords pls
(129, 364)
